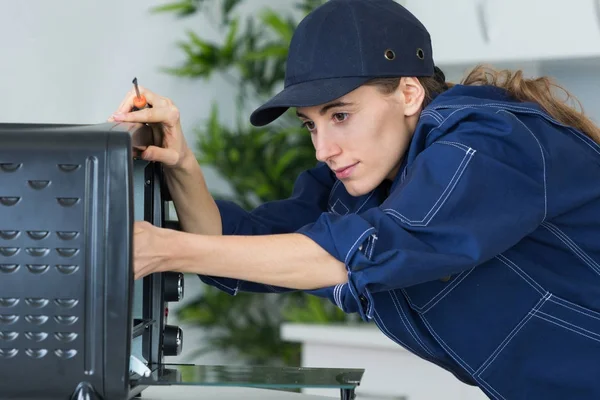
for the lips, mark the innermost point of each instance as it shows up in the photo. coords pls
(345, 172)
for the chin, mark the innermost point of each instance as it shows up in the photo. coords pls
(358, 188)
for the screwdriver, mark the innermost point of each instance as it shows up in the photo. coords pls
(139, 101)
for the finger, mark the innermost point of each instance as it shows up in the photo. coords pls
(140, 275)
(137, 274)
(158, 154)
(140, 272)
(168, 115)
(143, 224)
(126, 99)
(151, 98)
(157, 134)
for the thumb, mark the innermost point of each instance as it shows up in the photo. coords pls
(141, 226)
(158, 154)
(137, 228)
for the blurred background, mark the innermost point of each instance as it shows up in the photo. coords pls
(73, 62)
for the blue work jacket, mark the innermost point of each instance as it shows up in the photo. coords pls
(482, 256)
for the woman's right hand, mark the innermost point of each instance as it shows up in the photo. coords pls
(171, 148)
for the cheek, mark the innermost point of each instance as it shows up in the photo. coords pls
(388, 142)
(385, 135)
(394, 129)
(361, 137)
(395, 139)
(376, 139)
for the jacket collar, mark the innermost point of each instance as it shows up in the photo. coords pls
(464, 95)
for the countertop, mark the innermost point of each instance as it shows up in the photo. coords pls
(225, 393)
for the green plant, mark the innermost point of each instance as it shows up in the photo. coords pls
(260, 164)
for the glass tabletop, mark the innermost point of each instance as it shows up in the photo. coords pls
(253, 376)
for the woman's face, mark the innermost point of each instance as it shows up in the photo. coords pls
(363, 135)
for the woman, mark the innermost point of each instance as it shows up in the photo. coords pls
(463, 221)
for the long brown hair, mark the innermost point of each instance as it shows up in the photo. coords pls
(542, 90)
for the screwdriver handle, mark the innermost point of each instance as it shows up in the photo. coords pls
(139, 101)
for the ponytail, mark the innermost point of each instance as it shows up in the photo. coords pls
(543, 91)
(537, 90)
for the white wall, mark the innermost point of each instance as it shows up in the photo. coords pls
(582, 80)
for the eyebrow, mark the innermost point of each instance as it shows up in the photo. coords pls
(327, 107)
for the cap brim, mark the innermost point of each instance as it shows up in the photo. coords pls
(305, 94)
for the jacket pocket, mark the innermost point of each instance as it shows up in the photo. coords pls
(553, 353)
(416, 203)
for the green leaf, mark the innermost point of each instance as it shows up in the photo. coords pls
(267, 52)
(227, 7)
(203, 45)
(182, 8)
(278, 25)
(230, 41)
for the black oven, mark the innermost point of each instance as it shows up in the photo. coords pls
(74, 324)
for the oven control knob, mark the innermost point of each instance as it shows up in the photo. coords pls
(172, 340)
(173, 286)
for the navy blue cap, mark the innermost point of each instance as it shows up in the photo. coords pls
(341, 45)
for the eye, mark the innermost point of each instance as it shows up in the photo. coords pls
(308, 125)
(340, 117)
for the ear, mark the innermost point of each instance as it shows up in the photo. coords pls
(412, 94)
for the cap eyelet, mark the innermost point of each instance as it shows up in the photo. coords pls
(420, 53)
(389, 54)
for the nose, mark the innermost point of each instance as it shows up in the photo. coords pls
(325, 147)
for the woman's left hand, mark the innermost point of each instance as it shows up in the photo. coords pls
(151, 249)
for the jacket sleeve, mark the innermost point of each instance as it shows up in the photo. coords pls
(473, 193)
(310, 198)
